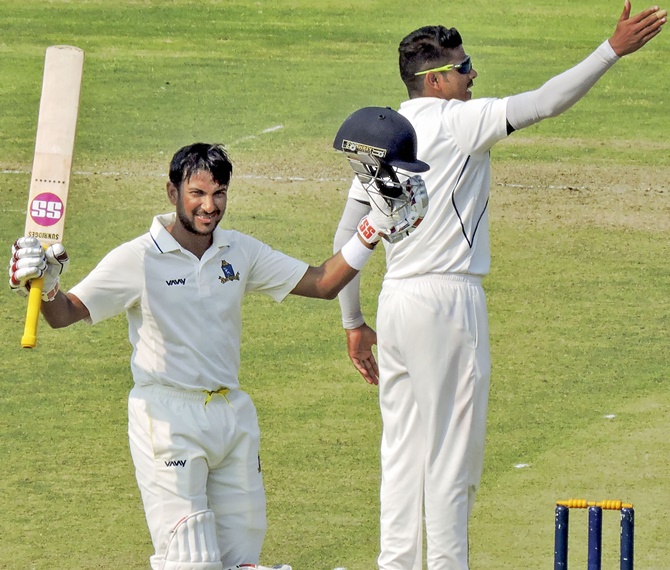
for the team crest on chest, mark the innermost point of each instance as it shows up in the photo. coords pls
(229, 273)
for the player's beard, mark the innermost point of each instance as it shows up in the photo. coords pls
(189, 224)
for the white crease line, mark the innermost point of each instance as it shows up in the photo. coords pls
(163, 175)
(549, 187)
(264, 131)
(290, 178)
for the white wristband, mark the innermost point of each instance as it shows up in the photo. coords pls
(355, 253)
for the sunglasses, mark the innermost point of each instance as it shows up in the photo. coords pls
(463, 68)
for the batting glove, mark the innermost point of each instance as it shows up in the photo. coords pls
(368, 232)
(413, 212)
(397, 225)
(57, 264)
(28, 262)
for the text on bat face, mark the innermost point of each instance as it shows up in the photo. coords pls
(46, 209)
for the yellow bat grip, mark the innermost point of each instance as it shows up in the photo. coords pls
(29, 339)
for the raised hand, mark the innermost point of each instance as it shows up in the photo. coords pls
(633, 32)
(28, 262)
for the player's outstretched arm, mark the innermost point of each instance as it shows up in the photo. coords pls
(633, 32)
(561, 92)
(327, 280)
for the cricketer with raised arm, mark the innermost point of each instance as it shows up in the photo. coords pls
(434, 355)
(193, 431)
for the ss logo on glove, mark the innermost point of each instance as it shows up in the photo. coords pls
(366, 230)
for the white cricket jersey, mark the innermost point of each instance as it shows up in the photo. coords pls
(184, 313)
(454, 138)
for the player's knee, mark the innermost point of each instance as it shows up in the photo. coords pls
(241, 536)
(193, 544)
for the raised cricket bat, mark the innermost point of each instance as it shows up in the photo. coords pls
(52, 163)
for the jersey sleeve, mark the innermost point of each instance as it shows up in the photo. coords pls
(272, 272)
(357, 192)
(114, 285)
(476, 124)
(561, 92)
(350, 297)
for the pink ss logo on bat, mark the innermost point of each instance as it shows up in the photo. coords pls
(46, 209)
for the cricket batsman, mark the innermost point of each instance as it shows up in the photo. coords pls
(193, 431)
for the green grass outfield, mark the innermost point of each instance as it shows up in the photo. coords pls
(578, 292)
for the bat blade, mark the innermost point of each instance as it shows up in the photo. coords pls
(52, 162)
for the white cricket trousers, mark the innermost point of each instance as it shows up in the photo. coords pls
(435, 368)
(190, 455)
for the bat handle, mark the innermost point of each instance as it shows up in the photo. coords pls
(29, 339)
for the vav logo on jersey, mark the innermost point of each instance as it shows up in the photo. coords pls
(228, 272)
(171, 282)
(176, 463)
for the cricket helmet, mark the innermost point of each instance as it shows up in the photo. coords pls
(384, 133)
(378, 142)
